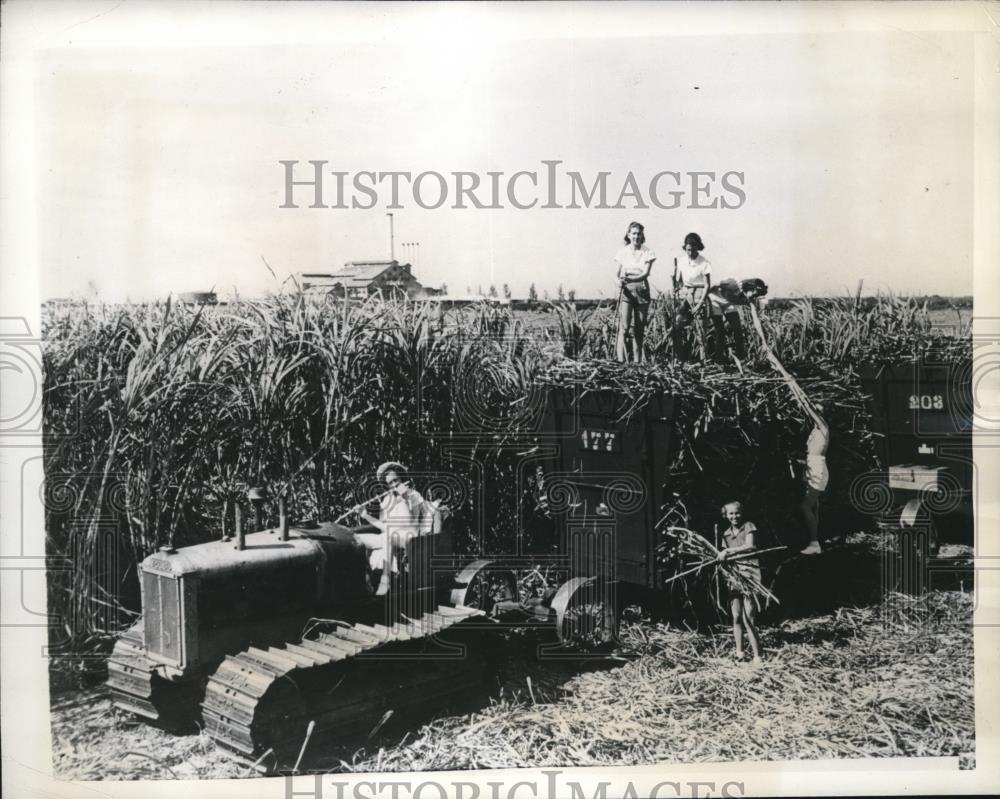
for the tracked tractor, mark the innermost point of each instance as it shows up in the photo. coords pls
(257, 636)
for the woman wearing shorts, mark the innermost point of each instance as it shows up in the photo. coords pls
(816, 476)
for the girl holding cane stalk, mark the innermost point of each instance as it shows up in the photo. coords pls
(634, 261)
(739, 539)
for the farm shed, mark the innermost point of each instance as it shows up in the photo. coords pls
(198, 298)
(364, 278)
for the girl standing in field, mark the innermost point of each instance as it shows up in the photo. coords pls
(738, 539)
(634, 262)
(692, 280)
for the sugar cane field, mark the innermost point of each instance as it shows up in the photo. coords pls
(160, 418)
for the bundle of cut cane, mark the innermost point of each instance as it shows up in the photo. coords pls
(694, 554)
(749, 411)
(698, 388)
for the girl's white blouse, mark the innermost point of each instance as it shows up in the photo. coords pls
(632, 261)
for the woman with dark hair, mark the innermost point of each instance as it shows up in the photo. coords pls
(692, 281)
(403, 514)
(634, 262)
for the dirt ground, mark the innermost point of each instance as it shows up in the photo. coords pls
(887, 680)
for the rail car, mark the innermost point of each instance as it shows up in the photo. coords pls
(923, 416)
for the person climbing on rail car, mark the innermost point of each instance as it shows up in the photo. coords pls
(634, 262)
(724, 299)
(692, 280)
(816, 475)
(739, 540)
(403, 514)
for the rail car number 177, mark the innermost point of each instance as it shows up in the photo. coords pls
(600, 440)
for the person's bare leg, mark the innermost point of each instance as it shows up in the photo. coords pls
(624, 320)
(677, 336)
(736, 328)
(388, 570)
(810, 513)
(719, 337)
(641, 317)
(678, 331)
(748, 622)
(736, 606)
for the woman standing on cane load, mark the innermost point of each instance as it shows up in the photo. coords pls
(691, 282)
(634, 262)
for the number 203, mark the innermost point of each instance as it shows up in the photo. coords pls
(926, 402)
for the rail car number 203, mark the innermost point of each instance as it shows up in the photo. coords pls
(926, 402)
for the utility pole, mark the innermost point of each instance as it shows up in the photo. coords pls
(392, 242)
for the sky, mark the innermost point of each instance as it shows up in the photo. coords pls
(158, 166)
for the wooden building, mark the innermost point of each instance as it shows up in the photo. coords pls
(363, 278)
(198, 298)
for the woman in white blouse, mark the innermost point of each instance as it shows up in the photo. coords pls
(692, 281)
(403, 514)
(634, 261)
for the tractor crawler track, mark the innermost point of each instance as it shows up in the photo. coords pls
(137, 687)
(344, 680)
